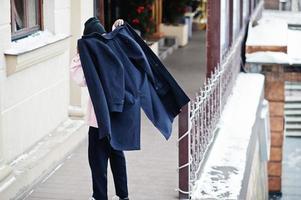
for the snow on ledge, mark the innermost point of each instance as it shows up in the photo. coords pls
(268, 32)
(292, 56)
(33, 41)
(268, 57)
(273, 30)
(289, 16)
(223, 172)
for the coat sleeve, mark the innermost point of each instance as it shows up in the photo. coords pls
(136, 55)
(108, 70)
(168, 89)
(76, 71)
(160, 82)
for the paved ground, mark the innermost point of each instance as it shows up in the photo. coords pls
(291, 185)
(291, 170)
(152, 171)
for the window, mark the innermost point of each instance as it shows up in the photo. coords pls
(225, 23)
(236, 18)
(245, 10)
(26, 17)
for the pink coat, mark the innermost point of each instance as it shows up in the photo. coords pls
(77, 74)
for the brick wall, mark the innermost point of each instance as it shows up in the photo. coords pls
(274, 93)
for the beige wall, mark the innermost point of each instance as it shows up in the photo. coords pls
(35, 96)
(34, 100)
(4, 44)
(257, 183)
(80, 11)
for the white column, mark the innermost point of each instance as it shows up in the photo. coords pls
(81, 10)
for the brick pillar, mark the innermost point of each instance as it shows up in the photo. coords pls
(213, 35)
(184, 153)
(271, 4)
(275, 94)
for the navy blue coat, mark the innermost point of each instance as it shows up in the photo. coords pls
(123, 74)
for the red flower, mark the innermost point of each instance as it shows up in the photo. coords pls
(140, 9)
(136, 21)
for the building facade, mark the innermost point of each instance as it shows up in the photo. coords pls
(37, 98)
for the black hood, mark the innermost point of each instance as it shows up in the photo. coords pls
(93, 25)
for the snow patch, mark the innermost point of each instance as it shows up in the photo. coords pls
(294, 159)
(223, 172)
(288, 16)
(268, 57)
(268, 32)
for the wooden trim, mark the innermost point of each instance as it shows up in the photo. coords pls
(25, 32)
(12, 17)
(252, 49)
(184, 153)
(241, 16)
(40, 17)
(25, 5)
(101, 11)
(213, 35)
(230, 15)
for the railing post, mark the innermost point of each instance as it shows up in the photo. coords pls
(184, 151)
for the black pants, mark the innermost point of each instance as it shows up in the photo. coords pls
(99, 151)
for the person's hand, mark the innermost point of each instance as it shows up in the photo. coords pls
(118, 22)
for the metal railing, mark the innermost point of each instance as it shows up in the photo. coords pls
(199, 119)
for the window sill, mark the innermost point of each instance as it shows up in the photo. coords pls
(33, 50)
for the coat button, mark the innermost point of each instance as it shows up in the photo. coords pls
(156, 87)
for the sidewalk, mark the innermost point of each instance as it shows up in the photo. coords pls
(152, 172)
(291, 169)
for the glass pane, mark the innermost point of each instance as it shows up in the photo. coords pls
(18, 12)
(245, 9)
(32, 13)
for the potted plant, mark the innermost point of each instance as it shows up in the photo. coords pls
(139, 13)
(140, 16)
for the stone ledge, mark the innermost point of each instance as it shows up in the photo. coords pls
(19, 59)
(29, 168)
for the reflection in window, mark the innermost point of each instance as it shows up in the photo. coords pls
(25, 17)
(18, 14)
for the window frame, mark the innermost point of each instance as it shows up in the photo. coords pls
(15, 35)
(99, 10)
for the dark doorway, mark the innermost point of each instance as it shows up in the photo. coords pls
(108, 11)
